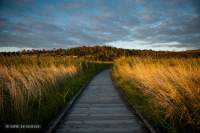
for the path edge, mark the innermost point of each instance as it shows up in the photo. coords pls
(133, 108)
(57, 119)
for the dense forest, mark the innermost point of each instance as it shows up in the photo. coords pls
(104, 53)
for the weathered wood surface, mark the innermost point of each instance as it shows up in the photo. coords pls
(100, 109)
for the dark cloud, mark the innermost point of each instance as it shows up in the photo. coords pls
(48, 24)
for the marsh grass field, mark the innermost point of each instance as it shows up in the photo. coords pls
(34, 89)
(165, 90)
(164, 86)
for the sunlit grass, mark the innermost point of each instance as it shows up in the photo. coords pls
(24, 84)
(170, 86)
(34, 89)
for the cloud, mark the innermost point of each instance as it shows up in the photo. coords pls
(139, 44)
(48, 24)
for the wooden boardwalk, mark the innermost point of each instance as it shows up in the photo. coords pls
(100, 109)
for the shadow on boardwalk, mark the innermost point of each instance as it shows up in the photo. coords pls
(100, 109)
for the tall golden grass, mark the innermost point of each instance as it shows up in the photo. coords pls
(28, 85)
(173, 84)
(22, 84)
(34, 88)
(22, 88)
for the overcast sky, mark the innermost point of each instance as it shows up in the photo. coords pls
(138, 24)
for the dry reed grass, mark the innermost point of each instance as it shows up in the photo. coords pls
(20, 85)
(173, 84)
(34, 88)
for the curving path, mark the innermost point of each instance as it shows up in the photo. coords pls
(100, 109)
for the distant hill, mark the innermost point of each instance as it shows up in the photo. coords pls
(104, 53)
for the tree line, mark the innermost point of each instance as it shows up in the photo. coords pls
(104, 53)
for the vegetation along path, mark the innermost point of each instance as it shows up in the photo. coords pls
(100, 109)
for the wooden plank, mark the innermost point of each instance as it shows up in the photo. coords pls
(101, 109)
